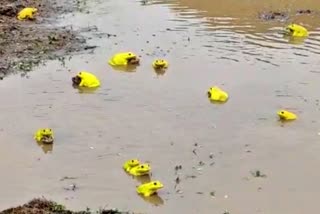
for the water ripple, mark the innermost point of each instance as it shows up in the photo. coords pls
(227, 36)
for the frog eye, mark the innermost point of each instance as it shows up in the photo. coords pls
(155, 183)
(142, 167)
(129, 54)
(282, 112)
(132, 161)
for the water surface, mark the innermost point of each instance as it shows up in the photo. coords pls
(160, 118)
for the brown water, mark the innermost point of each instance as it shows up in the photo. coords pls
(159, 118)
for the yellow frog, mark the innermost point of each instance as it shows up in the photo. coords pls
(44, 136)
(150, 188)
(123, 59)
(27, 13)
(141, 169)
(286, 115)
(216, 94)
(128, 165)
(86, 79)
(296, 30)
(160, 64)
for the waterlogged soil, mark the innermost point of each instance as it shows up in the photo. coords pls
(44, 206)
(25, 44)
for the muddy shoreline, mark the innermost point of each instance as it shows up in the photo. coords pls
(44, 206)
(28, 43)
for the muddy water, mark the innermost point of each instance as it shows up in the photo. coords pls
(160, 118)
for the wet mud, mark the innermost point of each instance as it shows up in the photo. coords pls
(27, 43)
(44, 206)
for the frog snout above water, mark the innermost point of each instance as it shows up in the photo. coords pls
(160, 64)
(123, 59)
(128, 165)
(286, 115)
(217, 94)
(44, 136)
(295, 30)
(85, 79)
(139, 170)
(150, 188)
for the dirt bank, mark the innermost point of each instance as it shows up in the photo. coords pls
(43, 206)
(25, 44)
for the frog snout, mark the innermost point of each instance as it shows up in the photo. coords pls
(76, 80)
(134, 60)
(209, 94)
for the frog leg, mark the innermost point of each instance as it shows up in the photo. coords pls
(82, 82)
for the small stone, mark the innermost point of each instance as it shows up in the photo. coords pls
(194, 152)
(177, 180)
(201, 163)
(179, 191)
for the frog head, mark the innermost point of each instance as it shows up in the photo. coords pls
(296, 30)
(282, 114)
(124, 59)
(216, 94)
(33, 10)
(129, 164)
(46, 135)
(286, 115)
(150, 188)
(143, 168)
(160, 63)
(133, 163)
(47, 132)
(131, 58)
(153, 185)
(76, 80)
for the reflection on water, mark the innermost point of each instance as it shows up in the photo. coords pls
(129, 69)
(295, 40)
(46, 148)
(160, 71)
(155, 199)
(143, 179)
(244, 28)
(85, 90)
